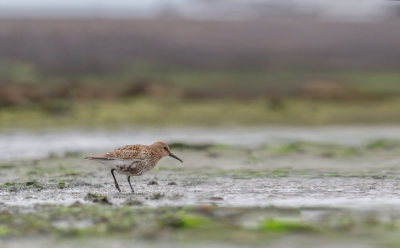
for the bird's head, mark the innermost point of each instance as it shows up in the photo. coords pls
(163, 150)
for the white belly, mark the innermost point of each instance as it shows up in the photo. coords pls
(124, 166)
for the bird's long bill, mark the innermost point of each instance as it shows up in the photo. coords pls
(172, 155)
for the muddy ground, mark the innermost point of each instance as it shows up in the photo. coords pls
(294, 194)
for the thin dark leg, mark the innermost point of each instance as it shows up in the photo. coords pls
(129, 181)
(115, 180)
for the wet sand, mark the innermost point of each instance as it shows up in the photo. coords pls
(235, 178)
(331, 174)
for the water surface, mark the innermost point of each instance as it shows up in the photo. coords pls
(28, 145)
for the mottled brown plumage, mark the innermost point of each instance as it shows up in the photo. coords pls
(133, 160)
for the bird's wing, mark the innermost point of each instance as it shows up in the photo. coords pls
(125, 152)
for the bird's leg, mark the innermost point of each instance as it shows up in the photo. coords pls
(115, 180)
(129, 181)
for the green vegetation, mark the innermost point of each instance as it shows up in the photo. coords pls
(276, 79)
(289, 148)
(97, 198)
(61, 184)
(344, 152)
(156, 196)
(327, 150)
(188, 224)
(8, 185)
(16, 186)
(101, 220)
(178, 112)
(180, 145)
(60, 170)
(284, 226)
(383, 144)
(198, 97)
(6, 166)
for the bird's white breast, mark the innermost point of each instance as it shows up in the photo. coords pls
(117, 164)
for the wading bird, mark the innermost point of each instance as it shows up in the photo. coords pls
(133, 160)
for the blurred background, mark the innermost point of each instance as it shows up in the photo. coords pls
(113, 63)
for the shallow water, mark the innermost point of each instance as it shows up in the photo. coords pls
(27, 145)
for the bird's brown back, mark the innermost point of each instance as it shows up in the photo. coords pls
(125, 152)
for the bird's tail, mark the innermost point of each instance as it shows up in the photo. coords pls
(96, 157)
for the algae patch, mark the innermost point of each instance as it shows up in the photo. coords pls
(284, 226)
(97, 198)
(19, 186)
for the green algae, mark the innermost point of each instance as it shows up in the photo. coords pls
(196, 147)
(289, 148)
(6, 166)
(8, 185)
(323, 150)
(150, 112)
(157, 196)
(97, 198)
(192, 224)
(183, 220)
(284, 226)
(383, 144)
(98, 220)
(120, 221)
(18, 186)
(61, 184)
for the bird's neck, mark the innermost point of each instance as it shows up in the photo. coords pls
(155, 152)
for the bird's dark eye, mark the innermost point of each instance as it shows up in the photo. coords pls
(165, 149)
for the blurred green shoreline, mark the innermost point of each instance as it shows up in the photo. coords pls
(151, 95)
(148, 112)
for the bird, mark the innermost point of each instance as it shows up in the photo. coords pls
(133, 160)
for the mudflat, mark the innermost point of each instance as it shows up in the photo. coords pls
(277, 193)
